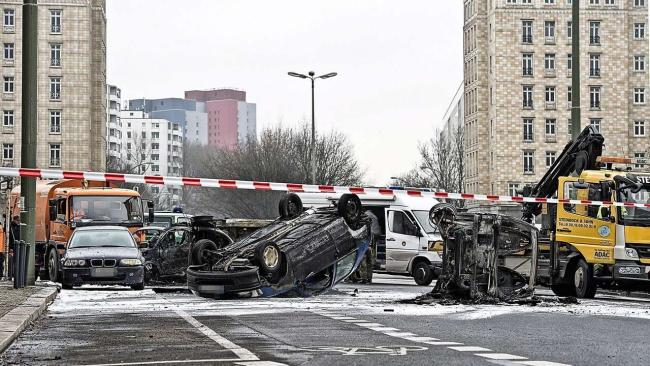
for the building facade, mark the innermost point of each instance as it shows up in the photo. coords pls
(189, 114)
(454, 118)
(517, 85)
(71, 108)
(115, 149)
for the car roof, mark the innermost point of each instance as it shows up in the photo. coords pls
(102, 227)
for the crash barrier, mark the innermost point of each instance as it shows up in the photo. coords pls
(21, 254)
(290, 187)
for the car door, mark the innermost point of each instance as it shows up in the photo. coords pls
(180, 251)
(402, 240)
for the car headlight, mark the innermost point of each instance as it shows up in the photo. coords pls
(74, 263)
(131, 262)
(631, 253)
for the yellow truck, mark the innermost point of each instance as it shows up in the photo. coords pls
(64, 205)
(583, 247)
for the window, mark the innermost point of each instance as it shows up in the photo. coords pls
(639, 30)
(7, 151)
(155, 157)
(527, 64)
(550, 95)
(155, 146)
(594, 33)
(55, 121)
(639, 95)
(529, 162)
(9, 51)
(549, 30)
(569, 62)
(8, 118)
(55, 88)
(400, 223)
(528, 129)
(594, 2)
(550, 158)
(569, 29)
(512, 189)
(639, 158)
(550, 126)
(639, 63)
(568, 95)
(128, 134)
(594, 97)
(55, 155)
(55, 54)
(549, 62)
(9, 15)
(594, 65)
(639, 128)
(155, 135)
(55, 21)
(592, 192)
(549, 1)
(639, 2)
(155, 168)
(527, 31)
(8, 84)
(610, 2)
(596, 122)
(528, 96)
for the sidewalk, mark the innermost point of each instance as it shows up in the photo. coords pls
(19, 307)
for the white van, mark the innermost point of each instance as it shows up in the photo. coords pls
(407, 240)
(166, 219)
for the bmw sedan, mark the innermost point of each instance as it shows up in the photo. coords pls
(106, 255)
(302, 253)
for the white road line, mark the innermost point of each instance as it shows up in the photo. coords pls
(384, 329)
(470, 349)
(400, 334)
(166, 362)
(260, 363)
(500, 356)
(242, 353)
(540, 363)
(443, 343)
(421, 339)
(368, 325)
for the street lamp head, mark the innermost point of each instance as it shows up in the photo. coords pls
(311, 73)
(327, 76)
(296, 75)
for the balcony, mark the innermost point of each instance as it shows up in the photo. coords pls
(527, 39)
(594, 72)
(55, 62)
(528, 104)
(8, 163)
(54, 28)
(527, 71)
(594, 41)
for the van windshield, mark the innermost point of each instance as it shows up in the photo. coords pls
(107, 209)
(423, 219)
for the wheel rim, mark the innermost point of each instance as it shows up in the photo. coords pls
(52, 266)
(420, 273)
(352, 209)
(579, 278)
(271, 256)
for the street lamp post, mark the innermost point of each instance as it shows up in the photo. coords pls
(311, 76)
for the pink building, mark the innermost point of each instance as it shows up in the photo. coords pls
(231, 120)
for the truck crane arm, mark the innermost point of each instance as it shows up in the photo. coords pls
(578, 155)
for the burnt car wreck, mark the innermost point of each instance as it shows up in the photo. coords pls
(302, 253)
(485, 255)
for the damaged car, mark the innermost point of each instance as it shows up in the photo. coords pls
(302, 253)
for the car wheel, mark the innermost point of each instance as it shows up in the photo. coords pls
(422, 273)
(201, 250)
(349, 207)
(290, 206)
(138, 287)
(53, 265)
(269, 258)
(66, 286)
(583, 280)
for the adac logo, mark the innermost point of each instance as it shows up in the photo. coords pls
(604, 231)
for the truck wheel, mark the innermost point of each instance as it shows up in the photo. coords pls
(583, 280)
(563, 289)
(290, 206)
(422, 273)
(53, 265)
(349, 207)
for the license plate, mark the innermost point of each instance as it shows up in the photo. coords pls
(102, 272)
(213, 289)
(629, 270)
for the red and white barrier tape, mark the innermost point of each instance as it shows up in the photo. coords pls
(287, 187)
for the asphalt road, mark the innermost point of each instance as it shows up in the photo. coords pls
(105, 326)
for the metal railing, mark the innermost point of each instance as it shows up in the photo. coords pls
(527, 71)
(55, 28)
(55, 62)
(55, 96)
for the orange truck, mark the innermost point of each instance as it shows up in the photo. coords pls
(64, 205)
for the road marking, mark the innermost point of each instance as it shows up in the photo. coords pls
(165, 362)
(357, 351)
(400, 334)
(442, 343)
(368, 325)
(500, 356)
(383, 329)
(260, 363)
(421, 339)
(470, 349)
(540, 363)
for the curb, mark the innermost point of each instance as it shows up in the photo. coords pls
(15, 321)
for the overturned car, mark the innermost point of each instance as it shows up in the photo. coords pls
(302, 253)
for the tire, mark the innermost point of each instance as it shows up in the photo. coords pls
(66, 286)
(269, 258)
(290, 206)
(349, 207)
(198, 255)
(442, 213)
(563, 289)
(422, 273)
(138, 287)
(53, 265)
(583, 280)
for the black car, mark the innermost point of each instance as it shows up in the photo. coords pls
(167, 252)
(105, 255)
(302, 253)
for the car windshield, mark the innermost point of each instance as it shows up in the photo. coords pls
(423, 219)
(635, 215)
(101, 238)
(110, 209)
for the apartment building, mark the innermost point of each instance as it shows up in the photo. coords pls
(71, 108)
(517, 84)
(115, 149)
(189, 114)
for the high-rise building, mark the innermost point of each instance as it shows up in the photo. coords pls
(517, 84)
(189, 114)
(453, 120)
(231, 120)
(115, 149)
(71, 108)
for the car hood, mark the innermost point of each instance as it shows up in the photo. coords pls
(102, 252)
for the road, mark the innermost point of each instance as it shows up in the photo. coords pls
(357, 324)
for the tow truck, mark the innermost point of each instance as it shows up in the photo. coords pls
(582, 247)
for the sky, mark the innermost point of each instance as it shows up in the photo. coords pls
(399, 64)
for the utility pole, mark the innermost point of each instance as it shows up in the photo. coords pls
(29, 130)
(312, 154)
(575, 72)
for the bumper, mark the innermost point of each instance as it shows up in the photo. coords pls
(120, 276)
(631, 271)
(215, 283)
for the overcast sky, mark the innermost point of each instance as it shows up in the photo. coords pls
(399, 63)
